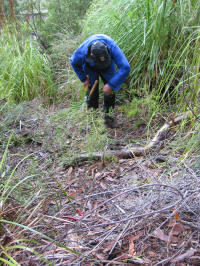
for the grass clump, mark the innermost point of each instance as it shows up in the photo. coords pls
(23, 199)
(24, 70)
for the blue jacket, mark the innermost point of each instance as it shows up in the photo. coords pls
(115, 78)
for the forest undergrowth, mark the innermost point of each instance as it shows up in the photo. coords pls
(142, 210)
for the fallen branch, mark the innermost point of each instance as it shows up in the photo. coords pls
(130, 152)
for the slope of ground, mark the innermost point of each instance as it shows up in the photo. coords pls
(138, 211)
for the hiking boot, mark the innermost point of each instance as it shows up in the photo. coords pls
(110, 121)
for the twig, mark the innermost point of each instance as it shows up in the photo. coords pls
(120, 235)
(163, 262)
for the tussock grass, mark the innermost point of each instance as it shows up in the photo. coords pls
(24, 71)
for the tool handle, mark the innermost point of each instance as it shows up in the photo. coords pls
(94, 87)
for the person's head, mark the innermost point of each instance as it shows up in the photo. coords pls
(100, 55)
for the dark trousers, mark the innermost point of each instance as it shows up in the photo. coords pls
(109, 100)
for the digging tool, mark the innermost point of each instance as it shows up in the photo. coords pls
(88, 95)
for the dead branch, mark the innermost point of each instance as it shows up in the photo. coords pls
(12, 11)
(129, 152)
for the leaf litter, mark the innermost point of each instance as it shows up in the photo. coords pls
(134, 211)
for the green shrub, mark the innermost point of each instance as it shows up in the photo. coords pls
(64, 17)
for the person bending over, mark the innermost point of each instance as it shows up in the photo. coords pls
(100, 56)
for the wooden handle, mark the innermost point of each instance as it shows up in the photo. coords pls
(94, 87)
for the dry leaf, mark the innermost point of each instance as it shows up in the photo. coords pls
(159, 234)
(171, 223)
(176, 216)
(131, 250)
(187, 254)
(99, 256)
(177, 229)
(108, 178)
(125, 257)
(113, 173)
(80, 190)
(135, 237)
(151, 253)
(97, 175)
(174, 239)
(108, 247)
(72, 194)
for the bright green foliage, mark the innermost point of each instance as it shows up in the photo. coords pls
(24, 71)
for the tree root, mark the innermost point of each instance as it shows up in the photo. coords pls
(130, 152)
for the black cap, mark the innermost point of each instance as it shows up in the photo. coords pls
(100, 55)
(99, 49)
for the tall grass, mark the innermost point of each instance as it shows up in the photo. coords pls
(24, 71)
(155, 35)
(161, 41)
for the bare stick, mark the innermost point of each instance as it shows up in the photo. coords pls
(132, 151)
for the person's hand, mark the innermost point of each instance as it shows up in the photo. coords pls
(107, 89)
